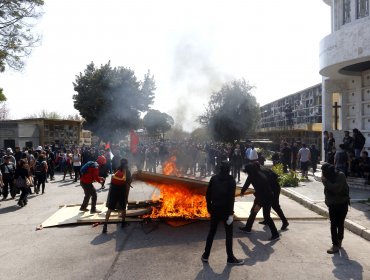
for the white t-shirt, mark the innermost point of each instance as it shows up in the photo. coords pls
(252, 154)
(304, 154)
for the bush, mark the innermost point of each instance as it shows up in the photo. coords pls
(286, 179)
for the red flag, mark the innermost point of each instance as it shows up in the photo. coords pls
(134, 141)
(107, 146)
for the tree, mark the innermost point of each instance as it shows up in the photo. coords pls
(3, 109)
(44, 114)
(156, 122)
(112, 99)
(200, 135)
(16, 39)
(232, 112)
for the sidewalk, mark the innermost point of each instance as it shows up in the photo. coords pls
(311, 194)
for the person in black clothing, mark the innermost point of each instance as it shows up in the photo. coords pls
(315, 157)
(50, 159)
(22, 175)
(286, 156)
(337, 199)
(363, 166)
(41, 169)
(295, 150)
(358, 142)
(220, 204)
(264, 197)
(8, 169)
(274, 182)
(237, 162)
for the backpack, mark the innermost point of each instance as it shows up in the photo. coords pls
(86, 166)
(40, 167)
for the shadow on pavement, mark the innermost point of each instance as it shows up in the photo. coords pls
(9, 209)
(208, 273)
(259, 253)
(345, 268)
(363, 207)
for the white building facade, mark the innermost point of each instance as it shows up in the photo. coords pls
(345, 67)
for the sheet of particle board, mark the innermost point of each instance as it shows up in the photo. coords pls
(243, 208)
(70, 214)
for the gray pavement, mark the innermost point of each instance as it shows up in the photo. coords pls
(158, 251)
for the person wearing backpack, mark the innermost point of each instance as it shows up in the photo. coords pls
(358, 142)
(89, 174)
(41, 169)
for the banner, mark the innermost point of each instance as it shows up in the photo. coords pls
(134, 141)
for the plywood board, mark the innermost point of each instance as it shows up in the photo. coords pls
(243, 208)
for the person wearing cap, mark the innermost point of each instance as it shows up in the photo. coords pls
(337, 199)
(118, 192)
(9, 152)
(90, 174)
(220, 198)
(7, 169)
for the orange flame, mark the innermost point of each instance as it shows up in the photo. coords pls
(169, 167)
(178, 202)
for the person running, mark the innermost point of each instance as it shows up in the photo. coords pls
(118, 192)
(337, 199)
(220, 198)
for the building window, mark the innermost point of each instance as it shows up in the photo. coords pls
(346, 11)
(362, 7)
(337, 111)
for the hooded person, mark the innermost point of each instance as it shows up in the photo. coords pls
(263, 197)
(337, 199)
(220, 198)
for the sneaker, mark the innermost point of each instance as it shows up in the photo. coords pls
(204, 258)
(84, 209)
(275, 237)
(21, 203)
(262, 223)
(245, 230)
(105, 228)
(333, 250)
(284, 226)
(94, 211)
(235, 261)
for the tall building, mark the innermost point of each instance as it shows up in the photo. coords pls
(345, 67)
(296, 117)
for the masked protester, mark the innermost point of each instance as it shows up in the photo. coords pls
(118, 192)
(337, 199)
(275, 187)
(264, 197)
(220, 204)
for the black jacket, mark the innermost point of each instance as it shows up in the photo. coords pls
(221, 194)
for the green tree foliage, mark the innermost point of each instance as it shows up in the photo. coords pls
(232, 112)
(112, 99)
(200, 134)
(16, 39)
(156, 122)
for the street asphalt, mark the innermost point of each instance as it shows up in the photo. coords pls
(156, 250)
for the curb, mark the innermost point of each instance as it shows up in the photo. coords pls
(348, 224)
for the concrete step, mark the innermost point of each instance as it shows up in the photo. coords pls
(358, 183)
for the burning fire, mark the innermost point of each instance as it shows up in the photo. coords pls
(177, 201)
(169, 167)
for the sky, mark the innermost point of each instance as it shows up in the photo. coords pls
(191, 48)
